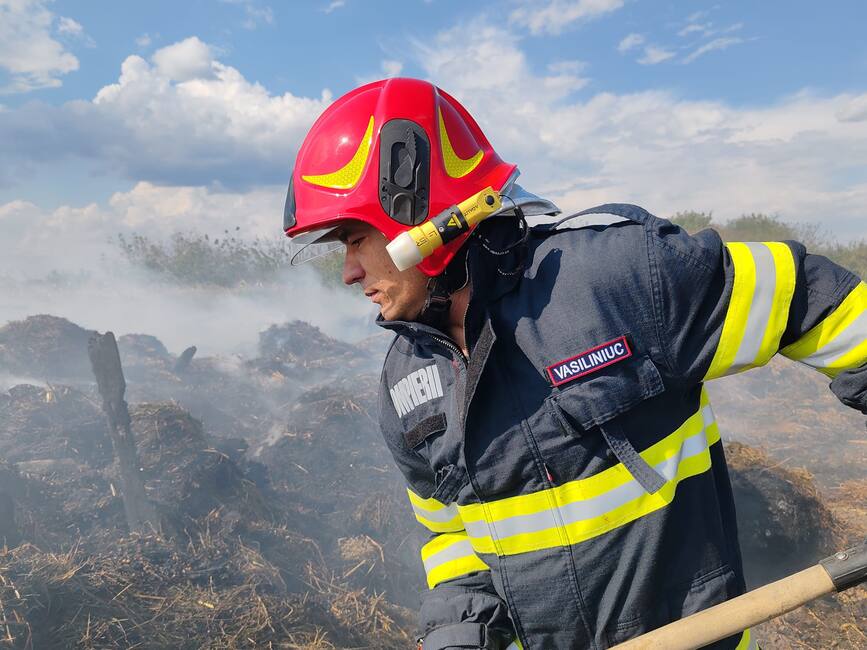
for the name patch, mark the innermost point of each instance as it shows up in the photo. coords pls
(590, 361)
(416, 388)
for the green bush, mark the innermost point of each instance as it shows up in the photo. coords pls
(197, 259)
(692, 221)
(228, 261)
(853, 256)
(330, 268)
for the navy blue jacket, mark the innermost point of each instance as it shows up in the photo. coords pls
(570, 472)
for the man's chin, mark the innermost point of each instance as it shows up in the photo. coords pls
(397, 312)
(387, 312)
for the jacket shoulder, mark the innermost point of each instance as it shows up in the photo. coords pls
(618, 228)
(606, 241)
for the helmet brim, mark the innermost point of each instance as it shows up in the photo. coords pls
(314, 244)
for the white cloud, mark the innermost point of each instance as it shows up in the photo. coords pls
(254, 15)
(854, 110)
(707, 29)
(572, 66)
(714, 45)
(629, 42)
(392, 68)
(387, 68)
(69, 26)
(799, 158)
(333, 6)
(654, 55)
(490, 62)
(692, 28)
(144, 40)
(28, 50)
(160, 210)
(183, 118)
(257, 15)
(565, 77)
(556, 15)
(186, 60)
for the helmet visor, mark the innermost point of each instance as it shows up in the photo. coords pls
(314, 244)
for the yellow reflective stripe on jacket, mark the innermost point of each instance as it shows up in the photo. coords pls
(435, 516)
(839, 341)
(747, 642)
(758, 311)
(585, 508)
(449, 556)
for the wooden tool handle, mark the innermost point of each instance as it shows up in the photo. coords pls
(738, 614)
(835, 573)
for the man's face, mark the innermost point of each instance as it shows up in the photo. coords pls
(399, 294)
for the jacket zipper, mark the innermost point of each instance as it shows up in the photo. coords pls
(452, 348)
(452, 345)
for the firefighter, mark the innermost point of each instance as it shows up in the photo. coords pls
(543, 395)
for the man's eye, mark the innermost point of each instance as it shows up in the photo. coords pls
(355, 242)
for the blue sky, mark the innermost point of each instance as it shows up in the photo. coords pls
(170, 115)
(298, 47)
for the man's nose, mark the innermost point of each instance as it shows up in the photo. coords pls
(352, 270)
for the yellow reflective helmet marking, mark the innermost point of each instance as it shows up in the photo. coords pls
(456, 167)
(348, 175)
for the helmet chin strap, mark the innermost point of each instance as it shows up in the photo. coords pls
(440, 289)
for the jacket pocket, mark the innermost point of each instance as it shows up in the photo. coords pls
(593, 402)
(598, 402)
(679, 601)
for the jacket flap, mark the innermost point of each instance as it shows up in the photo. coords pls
(427, 427)
(594, 400)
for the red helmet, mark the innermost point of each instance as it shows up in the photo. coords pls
(392, 153)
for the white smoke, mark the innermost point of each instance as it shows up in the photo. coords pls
(67, 262)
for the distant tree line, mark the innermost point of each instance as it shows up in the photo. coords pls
(199, 259)
(761, 227)
(230, 261)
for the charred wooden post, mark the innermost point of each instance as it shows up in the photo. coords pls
(9, 535)
(184, 360)
(141, 516)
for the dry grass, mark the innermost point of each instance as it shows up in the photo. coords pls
(150, 594)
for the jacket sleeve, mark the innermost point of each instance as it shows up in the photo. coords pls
(461, 609)
(725, 308)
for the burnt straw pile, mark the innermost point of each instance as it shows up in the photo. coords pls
(280, 520)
